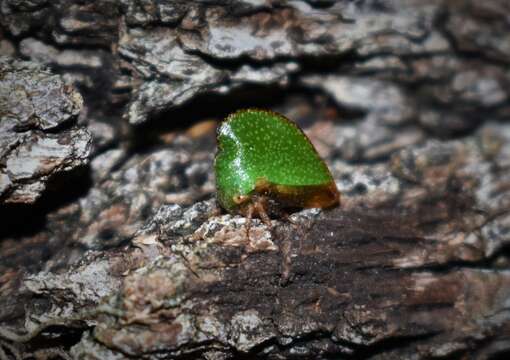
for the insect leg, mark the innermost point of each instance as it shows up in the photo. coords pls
(249, 217)
(260, 206)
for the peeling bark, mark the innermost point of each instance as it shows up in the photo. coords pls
(34, 105)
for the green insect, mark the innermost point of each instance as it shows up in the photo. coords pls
(265, 164)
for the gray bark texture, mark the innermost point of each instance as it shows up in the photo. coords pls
(112, 245)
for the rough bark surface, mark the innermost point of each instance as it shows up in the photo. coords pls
(34, 106)
(112, 245)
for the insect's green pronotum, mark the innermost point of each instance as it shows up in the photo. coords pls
(265, 163)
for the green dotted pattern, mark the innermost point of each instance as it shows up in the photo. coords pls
(255, 144)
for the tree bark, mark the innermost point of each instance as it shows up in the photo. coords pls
(112, 245)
